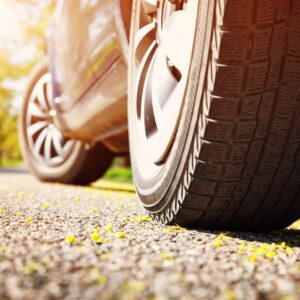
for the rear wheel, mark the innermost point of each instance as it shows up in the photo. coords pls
(214, 113)
(49, 154)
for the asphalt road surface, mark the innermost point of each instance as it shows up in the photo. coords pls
(66, 242)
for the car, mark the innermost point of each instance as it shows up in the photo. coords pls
(203, 94)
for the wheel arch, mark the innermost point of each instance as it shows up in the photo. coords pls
(125, 8)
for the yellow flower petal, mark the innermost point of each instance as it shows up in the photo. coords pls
(105, 256)
(121, 235)
(174, 228)
(21, 195)
(166, 255)
(134, 286)
(96, 230)
(45, 205)
(94, 210)
(70, 239)
(31, 268)
(109, 227)
(230, 295)
(218, 243)
(77, 199)
(270, 254)
(5, 249)
(101, 279)
(97, 238)
(144, 219)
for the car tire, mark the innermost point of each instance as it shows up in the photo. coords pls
(66, 160)
(232, 157)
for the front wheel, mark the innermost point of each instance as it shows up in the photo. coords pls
(214, 113)
(48, 153)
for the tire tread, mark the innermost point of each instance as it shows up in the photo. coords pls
(246, 171)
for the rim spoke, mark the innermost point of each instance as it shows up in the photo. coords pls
(39, 141)
(141, 76)
(67, 147)
(150, 6)
(40, 96)
(175, 40)
(148, 118)
(163, 81)
(57, 139)
(34, 110)
(34, 128)
(143, 40)
(159, 89)
(169, 114)
(48, 145)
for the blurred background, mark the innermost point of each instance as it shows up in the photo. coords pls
(22, 45)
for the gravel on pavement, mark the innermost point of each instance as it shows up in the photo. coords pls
(68, 242)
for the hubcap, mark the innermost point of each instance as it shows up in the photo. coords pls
(46, 142)
(163, 45)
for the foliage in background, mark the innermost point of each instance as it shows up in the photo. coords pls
(9, 147)
(31, 18)
(120, 170)
(121, 174)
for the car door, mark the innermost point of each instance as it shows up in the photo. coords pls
(71, 36)
(103, 41)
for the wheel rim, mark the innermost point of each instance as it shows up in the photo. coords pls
(46, 142)
(163, 44)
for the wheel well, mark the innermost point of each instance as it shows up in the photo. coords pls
(125, 9)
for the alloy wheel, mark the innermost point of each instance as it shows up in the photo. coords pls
(163, 42)
(46, 142)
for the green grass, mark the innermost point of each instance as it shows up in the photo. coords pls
(116, 173)
(120, 174)
(6, 163)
